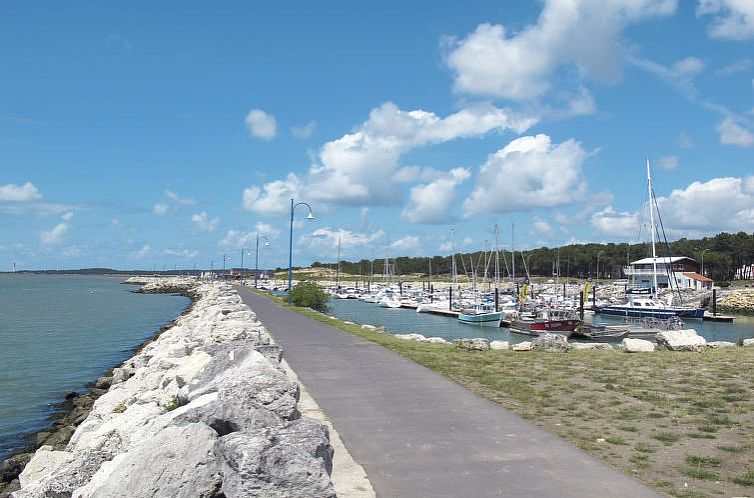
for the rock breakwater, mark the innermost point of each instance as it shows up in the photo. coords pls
(205, 410)
(737, 301)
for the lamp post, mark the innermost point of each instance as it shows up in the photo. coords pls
(598, 263)
(705, 250)
(256, 263)
(310, 216)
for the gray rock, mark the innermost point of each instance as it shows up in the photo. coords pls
(553, 343)
(590, 345)
(226, 416)
(720, 344)
(290, 462)
(629, 345)
(179, 462)
(500, 345)
(478, 344)
(747, 343)
(13, 466)
(681, 340)
(522, 346)
(121, 374)
(64, 480)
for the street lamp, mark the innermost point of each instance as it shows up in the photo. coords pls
(703, 259)
(598, 263)
(310, 216)
(256, 263)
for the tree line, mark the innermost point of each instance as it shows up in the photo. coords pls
(721, 257)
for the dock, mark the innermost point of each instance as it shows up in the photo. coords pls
(709, 317)
(438, 311)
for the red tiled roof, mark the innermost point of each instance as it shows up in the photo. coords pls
(695, 276)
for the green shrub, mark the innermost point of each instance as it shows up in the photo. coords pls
(308, 294)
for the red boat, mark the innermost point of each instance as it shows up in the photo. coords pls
(557, 322)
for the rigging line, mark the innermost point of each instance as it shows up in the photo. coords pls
(671, 278)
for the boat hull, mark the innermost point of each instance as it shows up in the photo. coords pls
(482, 319)
(537, 327)
(665, 313)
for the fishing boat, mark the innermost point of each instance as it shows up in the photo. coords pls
(482, 314)
(555, 321)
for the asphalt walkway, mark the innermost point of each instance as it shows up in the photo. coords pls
(418, 434)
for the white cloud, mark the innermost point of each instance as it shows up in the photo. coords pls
(160, 209)
(736, 67)
(305, 131)
(203, 223)
(411, 174)
(57, 234)
(680, 75)
(174, 201)
(720, 204)
(710, 207)
(145, 249)
(261, 125)
(732, 133)
(360, 167)
(432, 203)
(495, 61)
(406, 244)
(274, 197)
(732, 19)
(608, 222)
(528, 173)
(668, 162)
(238, 239)
(684, 140)
(329, 237)
(19, 193)
(115, 223)
(540, 227)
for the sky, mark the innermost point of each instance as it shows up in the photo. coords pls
(171, 135)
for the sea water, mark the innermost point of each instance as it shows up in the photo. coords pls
(60, 332)
(406, 321)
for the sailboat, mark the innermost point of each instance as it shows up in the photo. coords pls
(482, 312)
(644, 302)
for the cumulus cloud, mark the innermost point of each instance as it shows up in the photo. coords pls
(272, 198)
(702, 208)
(736, 67)
(731, 19)
(406, 244)
(528, 173)
(19, 193)
(329, 237)
(185, 254)
(360, 168)
(56, 235)
(540, 227)
(732, 133)
(431, 203)
(160, 209)
(611, 223)
(305, 131)
(238, 239)
(261, 125)
(586, 34)
(203, 223)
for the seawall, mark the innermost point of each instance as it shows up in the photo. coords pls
(205, 409)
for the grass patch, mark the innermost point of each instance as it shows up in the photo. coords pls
(745, 479)
(677, 414)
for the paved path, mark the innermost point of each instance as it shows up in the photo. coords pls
(418, 434)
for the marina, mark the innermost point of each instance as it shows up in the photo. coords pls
(444, 323)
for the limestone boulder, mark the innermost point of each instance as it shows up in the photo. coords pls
(629, 345)
(178, 462)
(553, 343)
(500, 345)
(590, 345)
(522, 346)
(44, 462)
(411, 337)
(289, 462)
(65, 479)
(720, 344)
(748, 343)
(478, 344)
(681, 340)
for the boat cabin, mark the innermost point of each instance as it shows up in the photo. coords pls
(684, 270)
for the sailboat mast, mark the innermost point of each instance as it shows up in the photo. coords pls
(513, 250)
(337, 271)
(497, 257)
(454, 268)
(652, 228)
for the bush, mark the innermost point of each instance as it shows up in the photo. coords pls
(309, 295)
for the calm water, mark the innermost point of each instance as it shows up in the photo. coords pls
(405, 321)
(59, 332)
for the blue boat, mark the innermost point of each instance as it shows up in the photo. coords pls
(482, 314)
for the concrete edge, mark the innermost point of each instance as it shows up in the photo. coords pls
(348, 477)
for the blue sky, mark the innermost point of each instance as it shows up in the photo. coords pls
(169, 134)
